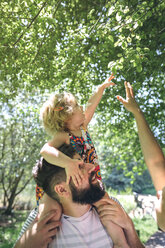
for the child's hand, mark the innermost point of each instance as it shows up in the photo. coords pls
(107, 82)
(73, 171)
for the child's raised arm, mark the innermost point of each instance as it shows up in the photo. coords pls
(95, 99)
(52, 155)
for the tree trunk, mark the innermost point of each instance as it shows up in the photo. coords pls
(8, 210)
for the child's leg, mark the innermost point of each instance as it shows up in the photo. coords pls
(115, 231)
(117, 235)
(47, 204)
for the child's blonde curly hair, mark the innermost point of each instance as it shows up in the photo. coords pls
(56, 111)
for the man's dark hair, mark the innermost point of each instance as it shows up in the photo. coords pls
(48, 175)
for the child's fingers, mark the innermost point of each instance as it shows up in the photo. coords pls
(75, 181)
(111, 77)
(106, 85)
(111, 84)
(79, 178)
(81, 175)
(68, 179)
(79, 181)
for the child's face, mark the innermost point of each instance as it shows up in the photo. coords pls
(76, 120)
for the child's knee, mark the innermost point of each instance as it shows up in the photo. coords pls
(47, 204)
(44, 210)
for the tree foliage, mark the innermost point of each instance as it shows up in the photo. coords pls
(122, 163)
(21, 138)
(52, 42)
(74, 45)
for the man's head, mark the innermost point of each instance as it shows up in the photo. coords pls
(53, 180)
(91, 193)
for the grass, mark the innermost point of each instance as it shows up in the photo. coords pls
(146, 227)
(12, 226)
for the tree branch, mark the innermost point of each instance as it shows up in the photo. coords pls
(41, 43)
(3, 185)
(30, 24)
(57, 7)
(23, 187)
(3, 146)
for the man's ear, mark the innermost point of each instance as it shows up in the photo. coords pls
(61, 189)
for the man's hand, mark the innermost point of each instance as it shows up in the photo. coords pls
(129, 103)
(40, 234)
(110, 210)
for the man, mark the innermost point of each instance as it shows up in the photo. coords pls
(154, 159)
(80, 223)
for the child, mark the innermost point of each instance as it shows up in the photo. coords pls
(65, 120)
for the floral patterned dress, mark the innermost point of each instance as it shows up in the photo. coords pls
(85, 148)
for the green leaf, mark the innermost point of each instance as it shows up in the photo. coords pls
(110, 37)
(139, 68)
(118, 17)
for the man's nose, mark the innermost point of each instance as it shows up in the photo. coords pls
(90, 167)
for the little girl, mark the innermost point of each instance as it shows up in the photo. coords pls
(66, 122)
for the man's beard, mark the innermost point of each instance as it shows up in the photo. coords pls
(92, 194)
